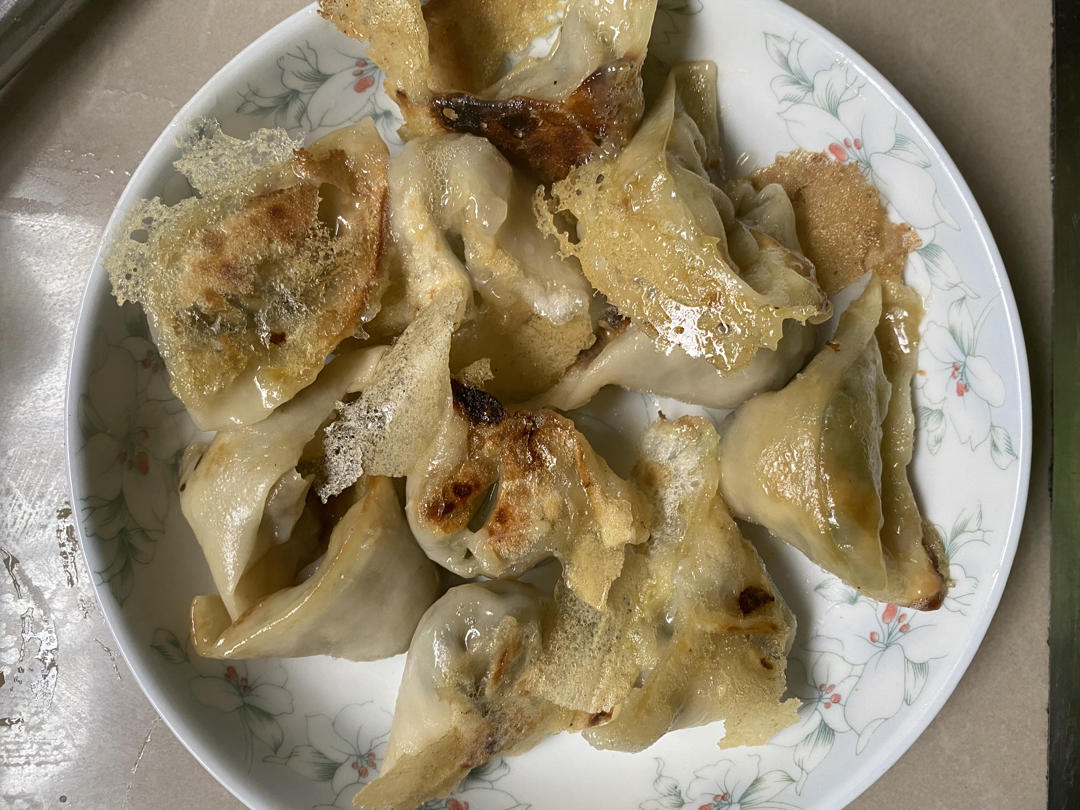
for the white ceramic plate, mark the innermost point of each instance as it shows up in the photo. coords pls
(307, 732)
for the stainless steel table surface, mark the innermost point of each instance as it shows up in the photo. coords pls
(76, 732)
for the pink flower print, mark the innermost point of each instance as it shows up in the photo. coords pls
(830, 681)
(257, 700)
(132, 440)
(729, 785)
(826, 109)
(365, 76)
(961, 382)
(897, 654)
(353, 742)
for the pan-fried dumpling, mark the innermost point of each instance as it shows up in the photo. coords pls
(245, 494)
(460, 701)
(251, 284)
(823, 463)
(362, 601)
(499, 491)
(663, 245)
(694, 630)
(461, 217)
(445, 68)
(624, 355)
(755, 222)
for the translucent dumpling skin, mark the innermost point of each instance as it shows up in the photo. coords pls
(624, 355)
(461, 217)
(659, 240)
(362, 601)
(694, 630)
(822, 463)
(461, 700)
(446, 60)
(243, 495)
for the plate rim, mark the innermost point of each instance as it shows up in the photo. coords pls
(881, 759)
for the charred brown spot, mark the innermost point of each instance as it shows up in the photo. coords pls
(459, 497)
(502, 666)
(752, 598)
(598, 718)
(277, 338)
(549, 137)
(503, 517)
(767, 664)
(284, 216)
(614, 319)
(479, 407)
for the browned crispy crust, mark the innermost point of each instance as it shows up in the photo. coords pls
(939, 565)
(517, 451)
(843, 227)
(547, 137)
(224, 262)
(479, 407)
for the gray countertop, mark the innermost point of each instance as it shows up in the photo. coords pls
(74, 125)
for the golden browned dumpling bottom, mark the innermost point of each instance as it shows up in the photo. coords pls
(843, 227)
(249, 286)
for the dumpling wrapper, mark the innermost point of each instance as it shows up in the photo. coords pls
(841, 222)
(362, 601)
(396, 417)
(694, 630)
(499, 491)
(243, 496)
(823, 462)
(250, 285)
(461, 217)
(444, 62)
(661, 242)
(460, 701)
(624, 355)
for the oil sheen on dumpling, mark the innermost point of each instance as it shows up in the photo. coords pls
(460, 701)
(624, 355)
(823, 463)
(244, 496)
(362, 601)
(499, 491)
(694, 630)
(662, 243)
(445, 64)
(461, 217)
(248, 286)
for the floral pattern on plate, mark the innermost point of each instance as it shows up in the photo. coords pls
(321, 89)
(868, 675)
(133, 431)
(256, 695)
(825, 109)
